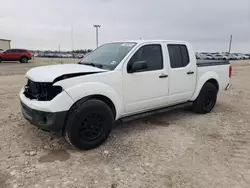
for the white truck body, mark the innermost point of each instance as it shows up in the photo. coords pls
(129, 93)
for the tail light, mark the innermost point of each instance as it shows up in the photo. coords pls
(230, 71)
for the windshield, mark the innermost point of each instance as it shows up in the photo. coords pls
(108, 56)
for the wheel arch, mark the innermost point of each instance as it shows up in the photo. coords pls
(211, 77)
(214, 82)
(100, 97)
(104, 99)
(24, 56)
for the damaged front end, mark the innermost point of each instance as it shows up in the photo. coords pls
(41, 91)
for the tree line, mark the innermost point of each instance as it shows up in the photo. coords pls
(85, 51)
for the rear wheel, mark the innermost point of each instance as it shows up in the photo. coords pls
(0, 59)
(206, 100)
(89, 124)
(24, 60)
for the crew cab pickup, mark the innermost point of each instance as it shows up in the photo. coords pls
(116, 81)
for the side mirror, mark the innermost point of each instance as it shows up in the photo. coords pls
(138, 66)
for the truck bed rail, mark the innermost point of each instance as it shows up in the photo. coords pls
(204, 63)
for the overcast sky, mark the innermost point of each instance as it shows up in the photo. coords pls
(44, 24)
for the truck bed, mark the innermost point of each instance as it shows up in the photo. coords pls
(216, 69)
(203, 63)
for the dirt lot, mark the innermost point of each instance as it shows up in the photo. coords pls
(175, 149)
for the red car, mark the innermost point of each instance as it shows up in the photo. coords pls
(21, 55)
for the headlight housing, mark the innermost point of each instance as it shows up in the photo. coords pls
(41, 91)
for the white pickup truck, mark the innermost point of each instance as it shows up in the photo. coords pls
(118, 80)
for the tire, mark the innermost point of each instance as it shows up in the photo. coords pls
(206, 100)
(0, 60)
(88, 124)
(24, 60)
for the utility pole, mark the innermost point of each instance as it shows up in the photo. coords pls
(96, 29)
(230, 43)
(72, 38)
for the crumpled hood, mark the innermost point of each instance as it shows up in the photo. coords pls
(51, 72)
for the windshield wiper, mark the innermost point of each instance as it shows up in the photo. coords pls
(92, 64)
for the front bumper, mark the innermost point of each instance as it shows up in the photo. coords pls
(228, 86)
(50, 121)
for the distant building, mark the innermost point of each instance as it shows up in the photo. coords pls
(4, 44)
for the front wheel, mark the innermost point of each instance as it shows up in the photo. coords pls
(206, 100)
(0, 59)
(89, 124)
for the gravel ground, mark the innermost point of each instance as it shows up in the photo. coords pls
(173, 150)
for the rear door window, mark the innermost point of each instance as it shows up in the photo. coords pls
(178, 55)
(185, 55)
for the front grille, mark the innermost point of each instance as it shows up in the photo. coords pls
(37, 90)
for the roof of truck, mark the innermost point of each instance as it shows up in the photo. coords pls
(146, 41)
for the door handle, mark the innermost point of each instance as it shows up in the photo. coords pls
(190, 72)
(163, 76)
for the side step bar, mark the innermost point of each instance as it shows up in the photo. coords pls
(153, 112)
